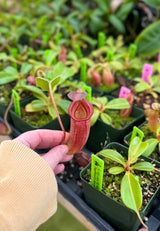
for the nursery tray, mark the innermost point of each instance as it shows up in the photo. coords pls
(73, 193)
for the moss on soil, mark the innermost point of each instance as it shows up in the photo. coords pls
(36, 119)
(117, 121)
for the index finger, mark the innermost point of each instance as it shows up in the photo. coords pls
(42, 138)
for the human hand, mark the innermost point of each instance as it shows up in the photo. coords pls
(44, 139)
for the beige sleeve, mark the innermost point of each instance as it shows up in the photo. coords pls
(28, 188)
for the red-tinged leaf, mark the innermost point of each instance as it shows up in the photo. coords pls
(153, 120)
(107, 78)
(77, 95)
(62, 57)
(96, 78)
(126, 112)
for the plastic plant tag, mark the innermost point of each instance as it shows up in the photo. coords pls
(97, 168)
(45, 38)
(132, 51)
(78, 51)
(14, 51)
(83, 71)
(137, 132)
(110, 55)
(101, 39)
(147, 72)
(123, 92)
(159, 57)
(89, 93)
(57, 38)
(16, 103)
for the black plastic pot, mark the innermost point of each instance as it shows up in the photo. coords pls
(22, 126)
(101, 132)
(118, 215)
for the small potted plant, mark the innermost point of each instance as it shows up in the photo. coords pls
(112, 119)
(123, 186)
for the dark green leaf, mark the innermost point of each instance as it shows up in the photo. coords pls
(116, 22)
(148, 40)
(154, 3)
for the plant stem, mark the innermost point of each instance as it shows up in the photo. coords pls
(142, 220)
(58, 116)
(6, 114)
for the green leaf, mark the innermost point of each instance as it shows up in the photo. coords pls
(152, 143)
(55, 82)
(95, 116)
(154, 3)
(6, 78)
(64, 105)
(52, 112)
(72, 56)
(11, 70)
(116, 22)
(117, 103)
(131, 192)
(3, 56)
(142, 86)
(116, 170)
(42, 83)
(38, 93)
(148, 40)
(25, 68)
(143, 166)
(58, 69)
(136, 149)
(99, 100)
(112, 155)
(49, 56)
(106, 118)
(68, 72)
(35, 105)
(124, 10)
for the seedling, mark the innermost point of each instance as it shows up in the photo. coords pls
(131, 193)
(101, 104)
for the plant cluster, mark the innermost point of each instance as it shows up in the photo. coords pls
(128, 168)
